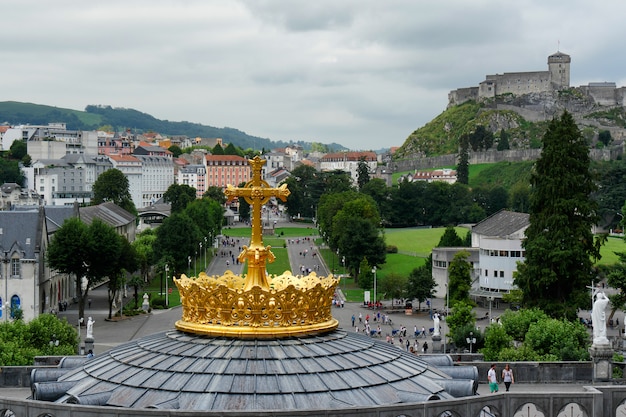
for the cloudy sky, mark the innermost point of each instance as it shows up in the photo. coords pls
(361, 73)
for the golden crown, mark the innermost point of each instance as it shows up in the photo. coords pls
(257, 305)
(292, 306)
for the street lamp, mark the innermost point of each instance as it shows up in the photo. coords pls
(471, 340)
(167, 269)
(189, 264)
(490, 301)
(54, 341)
(195, 265)
(206, 248)
(374, 271)
(80, 321)
(201, 251)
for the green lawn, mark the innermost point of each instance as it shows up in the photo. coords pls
(418, 241)
(613, 244)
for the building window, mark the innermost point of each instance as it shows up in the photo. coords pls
(501, 274)
(16, 268)
(495, 273)
(486, 272)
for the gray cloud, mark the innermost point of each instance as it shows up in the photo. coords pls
(362, 73)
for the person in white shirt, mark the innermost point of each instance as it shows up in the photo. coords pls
(493, 379)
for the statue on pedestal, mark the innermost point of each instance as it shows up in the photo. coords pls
(90, 323)
(436, 329)
(598, 318)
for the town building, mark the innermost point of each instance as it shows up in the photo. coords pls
(495, 252)
(193, 176)
(11, 195)
(68, 179)
(51, 141)
(222, 170)
(348, 162)
(442, 175)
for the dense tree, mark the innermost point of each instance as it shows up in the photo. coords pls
(68, 252)
(462, 315)
(232, 150)
(459, 278)
(20, 342)
(519, 197)
(462, 169)
(175, 150)
(480, 139)
(143, 248)
(124, 264)
(207, 214)
(18, 150)
(112, 185)
(421, 285)
(449, 239)
(503, 142)
(89, 253)
(362, 173)
(365, 278)
(605, 137)
(329, 205)
(304, 192)
(179, 195)
(378, 190)
(177, 238)
(217, 150)
(216, 193)
(392, 286)
(559, 242)
(359, 238)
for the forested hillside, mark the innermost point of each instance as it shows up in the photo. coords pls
(96, 116)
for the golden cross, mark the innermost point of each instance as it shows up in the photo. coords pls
(256, 192)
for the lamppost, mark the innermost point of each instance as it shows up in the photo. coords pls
(54, 341)
(201, 252)
(195, 265)
(490, 301)
(80, 321)
(189, 264)
(206, 248)
(445, 336)
(167, 269)
(471, 340)
(374, 271)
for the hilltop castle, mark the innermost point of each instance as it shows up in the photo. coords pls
(557, 77)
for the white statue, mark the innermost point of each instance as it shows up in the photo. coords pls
(90, 323)
(436, 330)
(598, 319)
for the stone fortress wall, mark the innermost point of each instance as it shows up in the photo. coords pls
(557, 77)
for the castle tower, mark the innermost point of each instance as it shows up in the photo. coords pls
(558, 67)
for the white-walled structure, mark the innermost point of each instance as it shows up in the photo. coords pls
(499, 240)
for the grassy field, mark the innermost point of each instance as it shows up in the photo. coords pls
(418, 241)
(613, 244)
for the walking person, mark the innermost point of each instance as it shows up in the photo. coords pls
(425, 347)
(493, 379)
(507, 376)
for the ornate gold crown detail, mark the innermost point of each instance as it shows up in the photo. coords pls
(257, 305)
(292, 306)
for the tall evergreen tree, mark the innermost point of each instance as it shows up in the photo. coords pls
(362, 173)
(462, 169)
(559, 243)
(503, 143)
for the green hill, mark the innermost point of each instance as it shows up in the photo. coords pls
(95, 116)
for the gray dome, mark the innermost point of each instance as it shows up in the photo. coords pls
(176, 370)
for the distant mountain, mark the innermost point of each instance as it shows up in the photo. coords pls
(95, 116)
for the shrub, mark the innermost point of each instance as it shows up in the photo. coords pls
(392, 249)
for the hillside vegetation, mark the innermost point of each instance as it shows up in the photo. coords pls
(441, 135)
(96, 116)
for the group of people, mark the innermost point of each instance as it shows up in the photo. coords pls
(507, 378)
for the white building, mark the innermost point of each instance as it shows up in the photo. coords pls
(68, 179)
(496, 250)
(499, 239)
(157, 176)
(348, 162)
(132, 168)
(52, 141)
(193, 176)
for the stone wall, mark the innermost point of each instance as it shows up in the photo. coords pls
(492, 157)
(594, 401)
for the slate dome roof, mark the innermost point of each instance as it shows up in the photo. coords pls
(177, 370)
